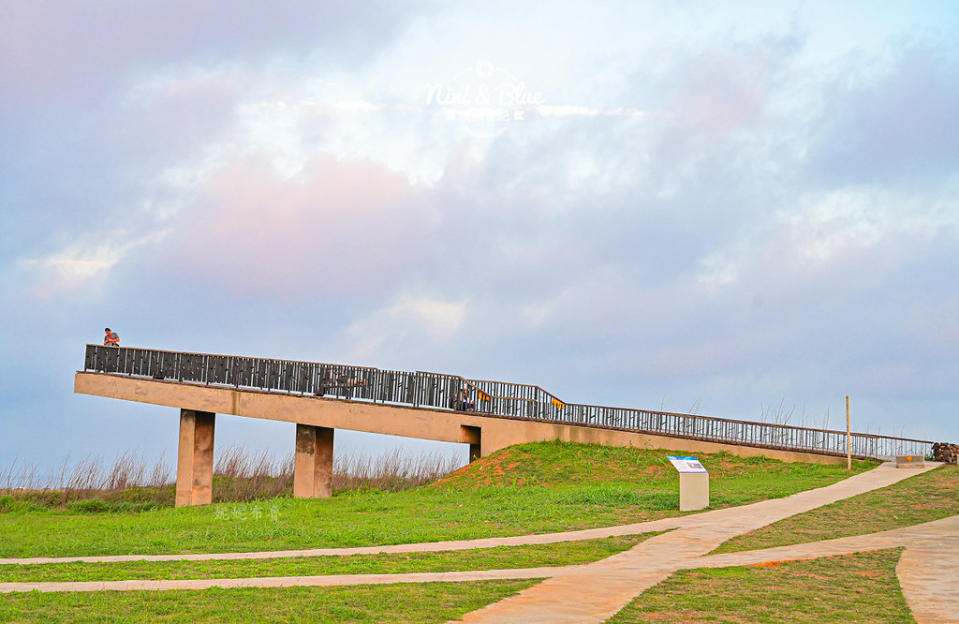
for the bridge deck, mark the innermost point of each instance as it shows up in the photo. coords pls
(475, 402)
(485, 433)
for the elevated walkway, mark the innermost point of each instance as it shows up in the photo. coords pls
(487, 415)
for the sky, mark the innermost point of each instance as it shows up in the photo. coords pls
(745, 210)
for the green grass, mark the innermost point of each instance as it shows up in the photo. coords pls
(923, 498)
(403, 603)
(530, 488)
(849, 589)
(529, 556)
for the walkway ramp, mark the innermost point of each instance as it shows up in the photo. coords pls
(487, 415)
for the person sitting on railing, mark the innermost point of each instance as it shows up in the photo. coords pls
(464, 404)
(111, 339)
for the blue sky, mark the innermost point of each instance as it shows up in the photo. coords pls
(719, 209)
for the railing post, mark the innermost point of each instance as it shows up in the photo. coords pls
(848, 438)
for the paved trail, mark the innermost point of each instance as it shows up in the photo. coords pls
(926, 570)
(613, 582)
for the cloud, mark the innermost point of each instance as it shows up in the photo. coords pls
(738, 217)
(81, 263)
(336, 227)
(727, 90)
(407, 324)
(50, 49)
(894, 123)
(105, 97)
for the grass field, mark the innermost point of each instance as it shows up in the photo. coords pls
(530, 488)
(530, 556)
(860, 588)
(403, 603)
(923, 498)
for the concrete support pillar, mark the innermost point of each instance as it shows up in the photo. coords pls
(313, 465)
(194, 468)
(474, 437)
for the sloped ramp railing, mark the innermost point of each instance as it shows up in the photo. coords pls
(493, 398)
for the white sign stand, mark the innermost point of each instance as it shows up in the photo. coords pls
(693, 483)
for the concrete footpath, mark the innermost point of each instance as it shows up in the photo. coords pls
(926, 570)
(595, 592)
(613, 582)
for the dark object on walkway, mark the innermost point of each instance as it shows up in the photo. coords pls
(945, 452)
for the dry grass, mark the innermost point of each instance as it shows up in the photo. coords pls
(391, 472)
(243, 476)
(87, 478)
(239, 475)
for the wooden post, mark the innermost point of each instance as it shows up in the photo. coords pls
(848, 438)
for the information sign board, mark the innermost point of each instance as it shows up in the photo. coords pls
(686, 464)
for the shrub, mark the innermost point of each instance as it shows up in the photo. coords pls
(98, 505)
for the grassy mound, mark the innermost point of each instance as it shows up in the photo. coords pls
(633, 476)
(543, 488)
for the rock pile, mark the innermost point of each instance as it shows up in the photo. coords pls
(945, 452)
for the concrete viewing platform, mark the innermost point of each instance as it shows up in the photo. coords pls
(486, 415)
(317, 418)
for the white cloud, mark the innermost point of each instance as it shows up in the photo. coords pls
(572, 110)
(718, 270)
(79, 263)
(406, 319)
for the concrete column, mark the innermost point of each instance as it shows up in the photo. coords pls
(313, 465)
(194, 468)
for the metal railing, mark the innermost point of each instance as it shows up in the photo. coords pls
(493, 398)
